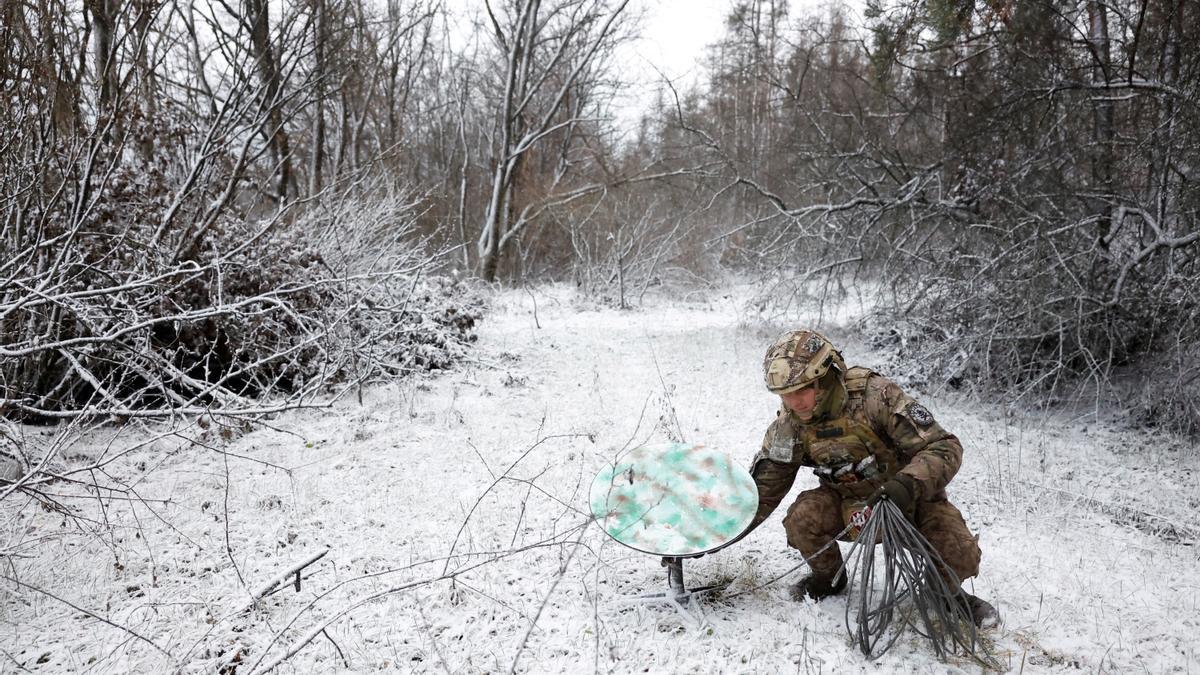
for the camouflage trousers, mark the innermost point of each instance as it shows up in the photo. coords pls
(815, 518)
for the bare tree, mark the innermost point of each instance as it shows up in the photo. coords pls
(550, 60)
(151, 283)
(1004, 168)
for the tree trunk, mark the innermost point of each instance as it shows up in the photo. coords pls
(268, 69)
(104, 19)
(318, 135)
(1102, 128)
(495, 225)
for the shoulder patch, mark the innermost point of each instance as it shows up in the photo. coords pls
(919, 414)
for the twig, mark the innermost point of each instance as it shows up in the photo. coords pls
(228, 545)
(294, 570)
(535, 310)
(1172, 525)
(304, 640)
(546, 600)
(345, 662)
(666, 394)
(497, 481)
(15, 661)
(89, 612)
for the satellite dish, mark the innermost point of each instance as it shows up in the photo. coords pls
(674, 500)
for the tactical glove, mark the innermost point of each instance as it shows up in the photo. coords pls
(901, 490)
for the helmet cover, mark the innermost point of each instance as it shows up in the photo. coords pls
(797, 359)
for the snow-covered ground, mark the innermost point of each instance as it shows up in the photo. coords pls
(454, 513)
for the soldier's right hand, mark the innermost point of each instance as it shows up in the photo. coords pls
(900, 490)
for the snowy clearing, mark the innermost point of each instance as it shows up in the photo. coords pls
(455, 513)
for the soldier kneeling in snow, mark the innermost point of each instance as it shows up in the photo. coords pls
(865, 439)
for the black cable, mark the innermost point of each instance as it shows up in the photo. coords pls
(803, 563)
(913, 592)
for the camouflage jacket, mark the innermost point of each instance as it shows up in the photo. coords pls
(876, 432)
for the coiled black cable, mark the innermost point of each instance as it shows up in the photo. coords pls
(912, 570)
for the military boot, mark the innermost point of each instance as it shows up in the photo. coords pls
(818, 587)
(981, 611)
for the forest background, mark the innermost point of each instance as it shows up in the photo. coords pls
(209, 206)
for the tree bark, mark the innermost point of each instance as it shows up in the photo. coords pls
(320, 35)
(104, 19)
(1102, 128)
(257, 16)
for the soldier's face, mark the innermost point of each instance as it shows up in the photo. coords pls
(801, 401)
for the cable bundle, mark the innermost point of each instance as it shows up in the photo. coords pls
(938, 610)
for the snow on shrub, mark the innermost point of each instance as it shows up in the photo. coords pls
(229, 314)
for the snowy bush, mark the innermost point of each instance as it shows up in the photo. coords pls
(1023, 210)
(1167, 393)
(258, 314)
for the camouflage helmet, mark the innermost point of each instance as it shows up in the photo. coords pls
(799, 358)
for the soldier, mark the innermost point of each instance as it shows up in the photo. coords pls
(865, 439)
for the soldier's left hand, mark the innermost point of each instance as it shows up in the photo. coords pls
(901, 490)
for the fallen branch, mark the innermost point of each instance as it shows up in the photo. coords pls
(263, 590)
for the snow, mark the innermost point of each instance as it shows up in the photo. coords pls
(454, 508)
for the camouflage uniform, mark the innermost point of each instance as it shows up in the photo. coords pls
(867, 431)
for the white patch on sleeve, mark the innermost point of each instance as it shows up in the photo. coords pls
(919, 414)
(781, 444)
